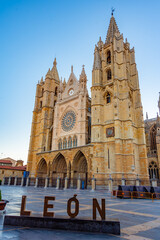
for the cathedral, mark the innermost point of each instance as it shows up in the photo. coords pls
(104, 136)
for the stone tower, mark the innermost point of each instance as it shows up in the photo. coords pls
(117, 127)
(42, 121)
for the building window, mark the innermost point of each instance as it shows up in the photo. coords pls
(42, 91)
(153, 170)
(108, 98)
(60, 144)
(40, 104)
(69, 142)
(108, 57)
(2, 171)
(13, 172)
(55, 93)
(109, 74)
(75, 141)
(153, 137)
(64, 143)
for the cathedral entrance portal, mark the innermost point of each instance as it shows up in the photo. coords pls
(80, 168)
(59, 167)
(42, 168)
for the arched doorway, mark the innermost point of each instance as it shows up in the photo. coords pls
(42, 168)
(59, 168)
(80, 167)
(153, 170)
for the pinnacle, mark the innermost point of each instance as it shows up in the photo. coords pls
(55, 62)
(83, 74)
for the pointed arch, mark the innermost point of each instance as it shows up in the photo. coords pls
(153, 170)
(59, 166)
(80, 166)
(42, 168)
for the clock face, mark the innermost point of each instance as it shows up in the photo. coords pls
(68, 121)
(71, 92)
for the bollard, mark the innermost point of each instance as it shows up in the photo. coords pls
(15, 181)
(66, 183)
(46, 182)
(110, 184)
(3, 181)
(137, 182)
(58, 183)
(27, 182)
(93, 184)
(79, 183)
(22, 181)
(9, 181)
(123, 182)
(154, 182)
(36, 183)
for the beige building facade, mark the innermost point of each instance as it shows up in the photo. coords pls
(74, 135)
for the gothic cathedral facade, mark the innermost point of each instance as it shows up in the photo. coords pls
(74, 135)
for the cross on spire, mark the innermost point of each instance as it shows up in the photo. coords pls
(112, 9)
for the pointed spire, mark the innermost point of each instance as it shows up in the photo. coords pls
(41, 82)
(54, 71)
(83, 76)
(72, 69)
(100, 44)
(55, 62)
(146, 116)
(112, 30)
(97, 59)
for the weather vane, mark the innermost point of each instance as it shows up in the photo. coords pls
(112, 9)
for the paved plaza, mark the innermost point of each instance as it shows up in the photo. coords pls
(139, 218)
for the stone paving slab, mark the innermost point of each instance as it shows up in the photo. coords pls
(139, 218)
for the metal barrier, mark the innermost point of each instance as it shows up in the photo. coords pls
(135, 195)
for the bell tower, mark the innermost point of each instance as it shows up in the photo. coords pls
(42, 120)
(117, 128)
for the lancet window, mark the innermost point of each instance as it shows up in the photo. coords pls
(69, 142)
(60, 144)
(65, 143)
(75, 141)
(108, 57)
(109, 74)
(108, 97)
(153, 170)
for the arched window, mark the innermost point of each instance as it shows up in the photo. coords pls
(75, 141)
(55, 93)
(64, 143)
(60, 144)
(153, 138)
(40, 104)
(42, 91)
(69, 142)
(108, 98)
(153, 170)
(109, 74)
(108, 57)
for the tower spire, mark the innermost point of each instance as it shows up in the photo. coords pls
(112, 30)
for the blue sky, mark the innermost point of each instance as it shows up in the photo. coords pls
(34, 32)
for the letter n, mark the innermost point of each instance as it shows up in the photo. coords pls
(101, 210)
